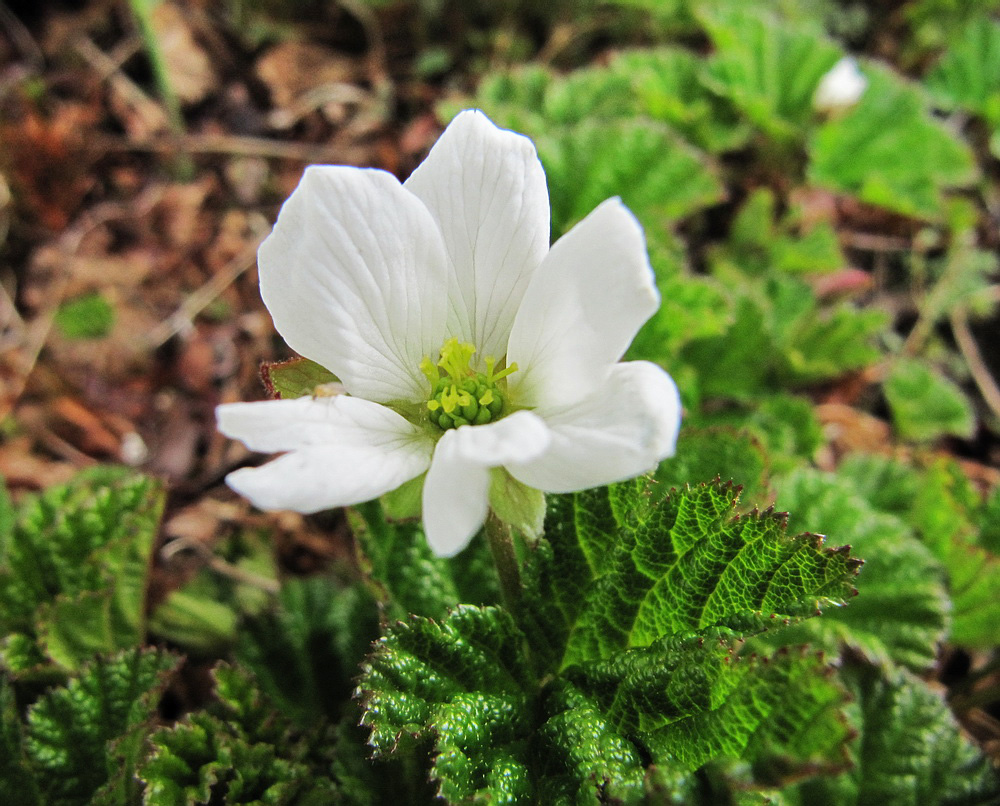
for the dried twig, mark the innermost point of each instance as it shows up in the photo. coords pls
(196, 302)
(220, 566)
(974, 358)
(221, 144)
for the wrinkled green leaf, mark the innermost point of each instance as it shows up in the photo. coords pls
(889, 151)
(968, 75)
(926, 405)
(909, 751)
(75, 734)
(77, 566)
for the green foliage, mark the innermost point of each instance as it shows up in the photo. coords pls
(306, 650)
(705, 453)
(768, 68)
(408, 578)
(623, 649)
(901, 612)
(76, 568)
(941, 508)
(926, 405)
(296, 377)
(240, 750)
(203, 616)
(909, 750)
(669, 85)
(86, 317)
(83, 740)
(889, 151)
(968, 75)
(657, 175)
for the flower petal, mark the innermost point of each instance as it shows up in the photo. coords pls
(623, 430)
(586, 302)
(355, 275)
(345, 450)
(323, 477)
(456, 490)
(486, 189)
(341, 421)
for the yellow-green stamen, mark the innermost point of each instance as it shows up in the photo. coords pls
(463, 396)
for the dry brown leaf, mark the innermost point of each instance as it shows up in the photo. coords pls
(191, 73)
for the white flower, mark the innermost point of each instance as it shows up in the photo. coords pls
(841, 86)
(387, 284)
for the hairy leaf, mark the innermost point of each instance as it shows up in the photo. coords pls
(76, 568)
(925, 404)
(889, 151)
(239, 751)
(909, 752)
(82, 736)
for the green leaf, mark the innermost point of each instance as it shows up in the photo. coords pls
(305, 651)
(296, 377)
(901, 612)
(408, 577)
(18, 785)
(705, 453)
(968, 75)
(910, 751)
(202, 616)
(687, 563)
(926, 405)
(239, 751)
(658, 176)
(669, 86)
(889, 151)
(769, 69)
(77, 567)
(75, 733)
(87, 317)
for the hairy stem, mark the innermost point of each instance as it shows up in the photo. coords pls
(501, 542)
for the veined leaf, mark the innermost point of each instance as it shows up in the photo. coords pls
(76, 734)
(77, 566)
(769, 69)
(910, 750)
(901, 612)
(18, 784)
(624, 649)
(889, 151)
(968, 75)
(686, 563)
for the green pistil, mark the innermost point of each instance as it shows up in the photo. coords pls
(463, 396)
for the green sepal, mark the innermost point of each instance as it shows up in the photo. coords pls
(517, 504)
(296, 377)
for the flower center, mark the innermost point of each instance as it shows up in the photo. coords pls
(462, 396)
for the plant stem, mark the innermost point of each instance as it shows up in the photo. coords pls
(501, 542)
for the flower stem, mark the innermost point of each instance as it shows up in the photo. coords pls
(501, 541)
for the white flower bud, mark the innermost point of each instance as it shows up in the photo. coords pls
(841, 87)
